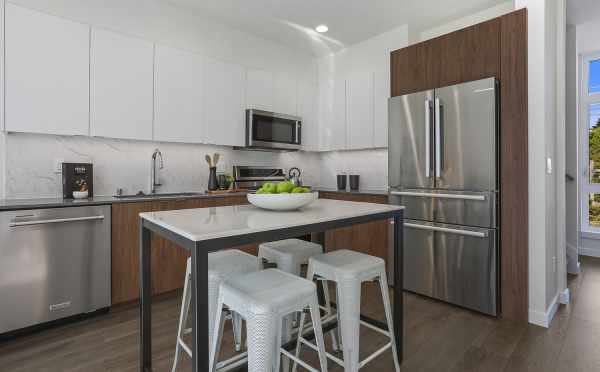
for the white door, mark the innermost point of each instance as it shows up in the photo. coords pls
(47, 73)
(121, 72)
(259, 90)
(285, 95)
(590, 140)
(308, 105)
(177, 96)
(223, 103)
(360, 110)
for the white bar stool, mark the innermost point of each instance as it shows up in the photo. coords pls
(222, 265)
(289, 255)
(263, 299)
(349, 269)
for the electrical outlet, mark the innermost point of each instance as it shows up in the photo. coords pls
(58, 165)
(554, 264)
(549, 165)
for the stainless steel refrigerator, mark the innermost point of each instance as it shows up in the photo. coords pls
(443, 167)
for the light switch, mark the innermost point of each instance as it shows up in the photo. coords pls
(549, 165)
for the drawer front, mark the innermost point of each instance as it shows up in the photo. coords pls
(419, 263)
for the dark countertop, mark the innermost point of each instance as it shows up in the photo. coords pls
(19, 204)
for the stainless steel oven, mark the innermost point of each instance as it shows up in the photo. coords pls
(270, 130)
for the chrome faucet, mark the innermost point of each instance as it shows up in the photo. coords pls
(153, 183)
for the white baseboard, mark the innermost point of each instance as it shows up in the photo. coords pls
(591, 252)
(543, 319)
(565, 297)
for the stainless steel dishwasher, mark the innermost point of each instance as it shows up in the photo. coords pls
(54, 263)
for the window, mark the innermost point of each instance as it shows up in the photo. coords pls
(590, 116)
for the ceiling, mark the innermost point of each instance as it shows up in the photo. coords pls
(292, 22)
(582, 11)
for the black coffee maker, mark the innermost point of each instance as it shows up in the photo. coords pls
(77, 177)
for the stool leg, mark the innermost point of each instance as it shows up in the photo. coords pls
(236, 323)
(185, 305)
(298, 343)
(315, 314)
(388, 315)
(332, 333)
(349, 311)
(262, 342)
(217, 330)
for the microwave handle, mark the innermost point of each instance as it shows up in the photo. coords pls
(298, 131)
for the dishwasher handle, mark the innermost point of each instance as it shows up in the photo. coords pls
(56, 220)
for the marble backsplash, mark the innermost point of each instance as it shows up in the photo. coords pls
(29, 164)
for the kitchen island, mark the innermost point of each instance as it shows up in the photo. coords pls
(205, 230)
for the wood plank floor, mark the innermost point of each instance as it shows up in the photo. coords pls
(439, 337)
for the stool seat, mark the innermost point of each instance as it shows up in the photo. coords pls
(226, 264)
(264, 299)
(289, 254)
(344, 263)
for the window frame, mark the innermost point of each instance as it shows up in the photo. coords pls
(585, 100)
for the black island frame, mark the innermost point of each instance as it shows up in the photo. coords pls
(199, 252)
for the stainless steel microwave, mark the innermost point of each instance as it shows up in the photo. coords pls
(270, 130)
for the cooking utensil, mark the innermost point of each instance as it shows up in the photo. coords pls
(216, 158)
(207, 157)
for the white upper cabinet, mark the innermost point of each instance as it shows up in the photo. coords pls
(121, 86)
(177, 96)
(360, 110)
(259, 90)
(271, 92)
(308, 106)
(285, 95)
(332, 115)
(47, 73)
(223, 103)
(381, 92)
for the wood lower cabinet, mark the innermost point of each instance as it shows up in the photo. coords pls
(168, 259)
(370, 238)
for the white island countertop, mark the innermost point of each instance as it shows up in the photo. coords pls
(221, 222)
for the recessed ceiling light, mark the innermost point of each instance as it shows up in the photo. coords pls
(322, 28)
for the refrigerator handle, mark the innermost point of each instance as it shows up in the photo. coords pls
(439, 141)
(448, 230)
(427, 138)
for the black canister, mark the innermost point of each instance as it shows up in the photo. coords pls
(212, 179)
(341, 181)
(354, 182)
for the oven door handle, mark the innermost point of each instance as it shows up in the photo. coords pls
(56, 220)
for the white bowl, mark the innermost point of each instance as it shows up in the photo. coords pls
(282, 202)
(80, 194)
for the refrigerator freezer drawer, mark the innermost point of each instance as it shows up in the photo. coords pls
(452, 263)
(451, 207)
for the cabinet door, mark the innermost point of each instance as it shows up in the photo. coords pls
(285, 94)
(121, 72)
(177, 96)
(259, 90)
(469, 54)
(381, 91)
(360, 110)
(415, 68)
(47, 73)
(308, 106)
(223, 103)
(332, 115)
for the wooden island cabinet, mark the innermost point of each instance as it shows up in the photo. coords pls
(168, 260)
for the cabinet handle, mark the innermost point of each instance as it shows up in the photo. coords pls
(57, 220)
(440, 196)
(448, 230)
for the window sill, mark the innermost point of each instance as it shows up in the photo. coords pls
(590, 234)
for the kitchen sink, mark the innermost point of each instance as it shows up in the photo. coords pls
(159, 195)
